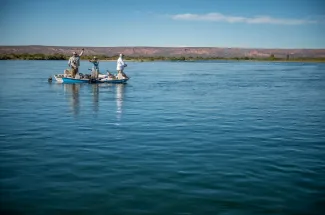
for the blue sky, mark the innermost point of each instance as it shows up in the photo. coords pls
(200, 23)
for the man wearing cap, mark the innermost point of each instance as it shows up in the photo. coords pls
(95, 70)
(74, 62)
(120, 67)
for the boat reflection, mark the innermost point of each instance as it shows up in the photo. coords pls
(72, 92)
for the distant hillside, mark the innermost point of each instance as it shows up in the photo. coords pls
(167, 51)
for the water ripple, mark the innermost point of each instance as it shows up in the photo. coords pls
(193, 138)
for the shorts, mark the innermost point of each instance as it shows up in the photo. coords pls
(74, 71)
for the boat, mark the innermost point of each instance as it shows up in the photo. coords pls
(67, 80)
(61, 78)
(112, 81)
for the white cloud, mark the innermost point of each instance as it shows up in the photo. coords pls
(218, 17)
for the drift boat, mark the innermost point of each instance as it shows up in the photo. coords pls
(60, 78)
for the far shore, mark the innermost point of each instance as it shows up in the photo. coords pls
(190, 61)
(178, 58)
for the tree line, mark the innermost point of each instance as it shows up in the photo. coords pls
(57, 56)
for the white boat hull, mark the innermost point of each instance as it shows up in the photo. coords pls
(60, 78)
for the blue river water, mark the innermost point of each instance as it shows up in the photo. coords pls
(217, 137)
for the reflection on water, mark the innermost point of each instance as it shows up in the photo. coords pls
(95, 91)
(72, 91)
(119, 100)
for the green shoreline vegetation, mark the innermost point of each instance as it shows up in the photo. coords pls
(153, 58)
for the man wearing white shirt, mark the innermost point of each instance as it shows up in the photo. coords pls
(120, 67)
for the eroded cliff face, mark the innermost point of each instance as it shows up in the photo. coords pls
(165, 51)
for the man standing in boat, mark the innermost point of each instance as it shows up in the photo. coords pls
(74, 63)
(120, 67)
(95, 70)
